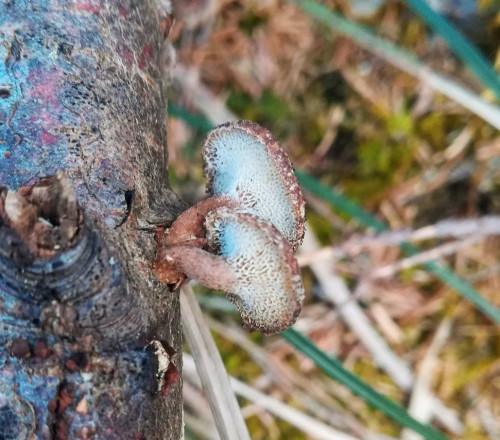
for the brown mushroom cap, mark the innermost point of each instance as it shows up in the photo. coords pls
(269, 291)
(243, 160)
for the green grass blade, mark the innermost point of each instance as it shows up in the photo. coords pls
(342, 203)
(334, 368)
(363, 35)
(468, 53)
(402, 59)
(351, 208)
(189, 118)
(357, 212)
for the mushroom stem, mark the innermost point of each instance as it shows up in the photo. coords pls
(188, 230)
(207, 269)
(191, 223)
(256, 268)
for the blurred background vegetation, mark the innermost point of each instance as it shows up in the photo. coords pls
(381, 138)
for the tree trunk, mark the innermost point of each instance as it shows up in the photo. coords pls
(90, 340)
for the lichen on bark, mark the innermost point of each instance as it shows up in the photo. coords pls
(82, 112)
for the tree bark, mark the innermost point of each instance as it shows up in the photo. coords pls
(90, 340)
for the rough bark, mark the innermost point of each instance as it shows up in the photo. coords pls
(82, 112)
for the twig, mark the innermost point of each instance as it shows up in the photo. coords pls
(225, 409)
(293, 416)
(386, 324)
(403, 60)
(337, 292)
(488, 225)
(300, 388)
(456, 228)
(423, 257)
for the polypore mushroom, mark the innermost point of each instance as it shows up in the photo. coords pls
(246, 168)
(254, 264)
(245, 162)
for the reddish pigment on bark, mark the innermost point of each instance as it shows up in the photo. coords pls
(47, 83)
(87, 6)
(77, 361)
(41, 349)
(171, 378)
(71, 72)
(61, 429)
(123, 12)
(63, 399)
(147, 53)
(48, 139)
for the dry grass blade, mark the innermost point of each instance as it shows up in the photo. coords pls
(354, 246)
(204, 99)
(488, 419)
(210, 367)
(404, 61)
(338, 293)
(313, 396)
(423, 257)
(420, 406)
(487, 225)
(196, 403)
(293, 416)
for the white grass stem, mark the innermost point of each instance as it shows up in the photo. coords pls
(337, 292)
(225, 408)
(420, 406)
(305, 423)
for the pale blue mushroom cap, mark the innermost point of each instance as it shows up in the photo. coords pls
(244, 161)
(268, 291)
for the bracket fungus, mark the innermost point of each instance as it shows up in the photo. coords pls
(251, 225)
(245, 162)
(254, 263)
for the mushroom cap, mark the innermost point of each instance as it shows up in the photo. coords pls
(268, 291)
(244, 160)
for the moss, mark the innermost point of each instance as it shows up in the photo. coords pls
(251, 20)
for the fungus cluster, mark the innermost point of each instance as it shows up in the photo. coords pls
(242, 238)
